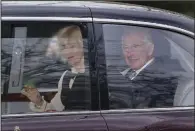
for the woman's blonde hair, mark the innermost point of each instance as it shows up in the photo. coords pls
(69, 34)
(64, 36)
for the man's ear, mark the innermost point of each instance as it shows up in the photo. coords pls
(151, 49)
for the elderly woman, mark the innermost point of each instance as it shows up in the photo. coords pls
(70, 45)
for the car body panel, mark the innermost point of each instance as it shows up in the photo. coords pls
(175, 120)
(60, 122)
(146, 16)
(99, 10)
(45, 10)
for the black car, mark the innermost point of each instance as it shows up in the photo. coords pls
(160, 100)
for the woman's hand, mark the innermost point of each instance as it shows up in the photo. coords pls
(32, 94)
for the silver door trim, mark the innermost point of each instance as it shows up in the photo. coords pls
(50, 114)
(19, 18)
(150, 110)
(143, 23)
(146, 110)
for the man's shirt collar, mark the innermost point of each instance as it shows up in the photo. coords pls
(124, 72)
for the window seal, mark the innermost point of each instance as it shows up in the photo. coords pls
(102, 112)
(49, 114)
(34, 18)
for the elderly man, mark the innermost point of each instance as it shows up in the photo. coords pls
(138, 52)
(146, 81)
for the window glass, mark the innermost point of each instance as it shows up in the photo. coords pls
(148, 68)
(44, 67)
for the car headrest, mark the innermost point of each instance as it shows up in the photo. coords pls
(161, 45)
(184, 95)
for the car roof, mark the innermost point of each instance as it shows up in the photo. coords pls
(111, 10)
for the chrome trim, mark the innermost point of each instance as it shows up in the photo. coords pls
(51, 114)
(151, 110)
(151, 24)
(19, 18)
(147, 110)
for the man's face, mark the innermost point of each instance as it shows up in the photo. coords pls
(136, 51)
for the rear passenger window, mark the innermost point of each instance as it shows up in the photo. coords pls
(44, 67)
(148, 68)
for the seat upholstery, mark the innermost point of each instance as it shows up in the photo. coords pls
(184, 95)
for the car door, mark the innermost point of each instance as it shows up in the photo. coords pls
(128, 107)
(75, 121)
(30, 52)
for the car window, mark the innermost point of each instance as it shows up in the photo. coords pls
(148, 68)
(48, 57)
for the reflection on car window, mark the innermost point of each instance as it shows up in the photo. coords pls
(147, 68)
(39, 74)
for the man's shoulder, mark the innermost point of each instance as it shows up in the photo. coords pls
(166, 64)
(160, 68)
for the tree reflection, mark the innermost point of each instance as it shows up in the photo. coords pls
(44, 71)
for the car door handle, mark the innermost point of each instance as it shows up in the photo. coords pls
(17, 128)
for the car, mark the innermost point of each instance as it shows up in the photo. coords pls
(28, 30)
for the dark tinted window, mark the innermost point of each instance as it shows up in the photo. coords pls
(148, 68)
(29, 54)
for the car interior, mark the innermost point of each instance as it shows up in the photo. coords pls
(177, 59)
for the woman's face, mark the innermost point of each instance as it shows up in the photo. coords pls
(72, 51)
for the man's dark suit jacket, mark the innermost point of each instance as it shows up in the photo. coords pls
(154, 86)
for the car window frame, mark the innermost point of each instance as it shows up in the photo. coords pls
(108, 21)
(95, 106)
(98, 22)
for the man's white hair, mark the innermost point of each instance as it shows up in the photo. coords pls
(147, 39)
(136, 30)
